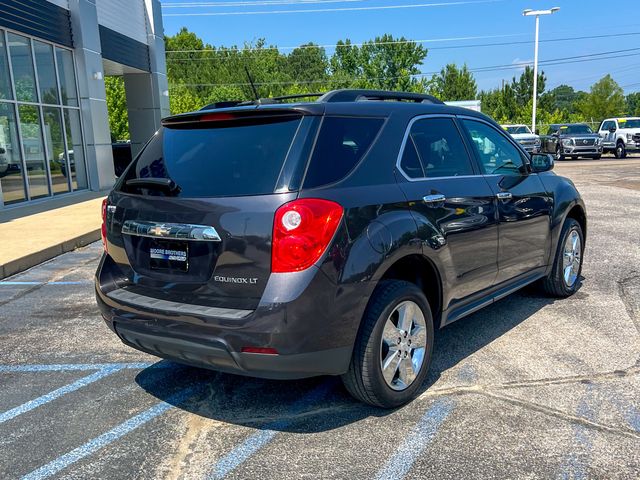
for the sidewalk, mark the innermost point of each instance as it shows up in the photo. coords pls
(26, 241)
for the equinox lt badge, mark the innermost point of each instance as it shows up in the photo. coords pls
(245, 280)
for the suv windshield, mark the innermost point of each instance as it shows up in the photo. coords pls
(518, 129)
(635, 123)
(215, 159)
(575, 129)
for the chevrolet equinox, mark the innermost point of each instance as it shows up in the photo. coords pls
(329, 237)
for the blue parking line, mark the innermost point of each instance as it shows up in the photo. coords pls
(423, 433)
(75, 367)
(49, 397)
(112, 435)
(255, 442)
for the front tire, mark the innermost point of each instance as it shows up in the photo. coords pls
(392, 352)
(564, 279)
(621, 150)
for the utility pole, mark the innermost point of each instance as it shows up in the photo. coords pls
(528, 13)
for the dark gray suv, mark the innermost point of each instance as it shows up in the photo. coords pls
(287, 240)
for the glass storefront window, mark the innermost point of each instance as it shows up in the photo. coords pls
(22, 63)
(41, 144)
(46, 72)
(5, 83)
(34, 156)
(67, 75)
(76, 149)
(54, 140)
(11, 179)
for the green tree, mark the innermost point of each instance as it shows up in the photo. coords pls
(633, 103)
(605, 99)
(453, 83)
(117, 108)
(308, 64)
(383, 63)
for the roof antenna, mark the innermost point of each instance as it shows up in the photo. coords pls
(253, 87)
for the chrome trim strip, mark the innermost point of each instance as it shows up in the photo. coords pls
(134, 299)
(171, 231)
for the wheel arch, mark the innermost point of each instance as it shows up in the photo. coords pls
(422, 272)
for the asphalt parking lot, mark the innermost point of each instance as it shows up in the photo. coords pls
(530, 387)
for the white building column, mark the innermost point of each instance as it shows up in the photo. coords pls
(93, 104)
(148, 93)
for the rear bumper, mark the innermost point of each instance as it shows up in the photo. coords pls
(298, 317)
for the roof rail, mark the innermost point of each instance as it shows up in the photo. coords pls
(260, 101)
(346, 95)
(355, 95)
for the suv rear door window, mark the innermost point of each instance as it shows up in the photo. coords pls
(436, 144)
(216, 159)
(341, 144)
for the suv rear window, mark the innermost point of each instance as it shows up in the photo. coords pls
(341, 144)
(230, 158)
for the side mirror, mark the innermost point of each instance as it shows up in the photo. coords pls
(542, 162)
(612, 129)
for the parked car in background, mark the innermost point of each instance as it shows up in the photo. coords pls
(121, 158)
(524, 136)
(572, 140)
(618, 135)
(4, 161)
(329, 238)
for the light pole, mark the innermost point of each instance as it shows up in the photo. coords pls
(529, 13)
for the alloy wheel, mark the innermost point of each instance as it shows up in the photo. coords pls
(571, 258)
(403, 344)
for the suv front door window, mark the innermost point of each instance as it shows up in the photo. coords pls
(524, 207)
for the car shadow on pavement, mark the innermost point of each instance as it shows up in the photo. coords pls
(321, 404)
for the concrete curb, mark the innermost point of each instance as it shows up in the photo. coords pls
(33, 259)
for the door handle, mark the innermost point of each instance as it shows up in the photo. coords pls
(434, 199)
(504, 195)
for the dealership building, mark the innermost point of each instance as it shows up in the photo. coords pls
(54, 125)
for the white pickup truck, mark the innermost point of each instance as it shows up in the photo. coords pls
(618, 135)
(525, 137)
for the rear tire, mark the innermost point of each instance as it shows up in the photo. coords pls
(564, 278)
(392, 303)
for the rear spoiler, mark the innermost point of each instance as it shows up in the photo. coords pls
(243, 113)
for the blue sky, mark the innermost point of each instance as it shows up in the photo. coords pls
(486, 21)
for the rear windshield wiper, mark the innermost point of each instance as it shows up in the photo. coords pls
(164, 184)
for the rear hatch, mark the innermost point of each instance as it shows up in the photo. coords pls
(191, 220)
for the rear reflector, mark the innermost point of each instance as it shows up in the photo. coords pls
(103, 229)
(261, 350)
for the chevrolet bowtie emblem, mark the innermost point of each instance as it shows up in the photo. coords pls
(159, 231)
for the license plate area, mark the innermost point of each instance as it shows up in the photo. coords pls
(169, 255)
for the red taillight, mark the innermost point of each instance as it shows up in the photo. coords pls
(302, 230)
(103, 230)
(261, 350)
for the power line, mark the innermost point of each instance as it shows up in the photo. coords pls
(550, 62)
(340, 9)
(401, 42)
(253, 3)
